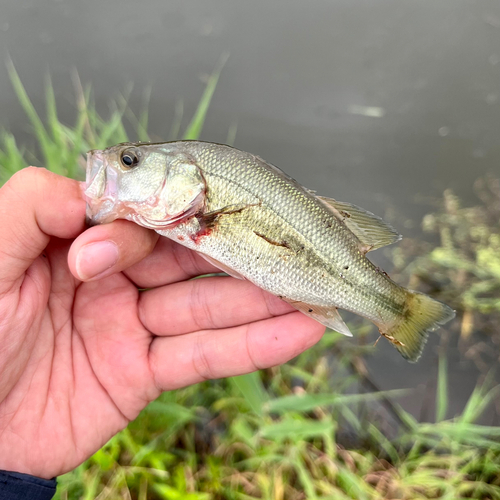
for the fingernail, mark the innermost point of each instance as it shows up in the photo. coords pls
(95, 258)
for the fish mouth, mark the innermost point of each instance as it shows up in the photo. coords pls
(101, 190)
(95, 167)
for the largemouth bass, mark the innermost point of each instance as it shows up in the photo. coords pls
(255, 222)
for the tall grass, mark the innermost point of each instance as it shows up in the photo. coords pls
(304, 430)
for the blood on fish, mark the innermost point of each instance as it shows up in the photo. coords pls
(205, 231)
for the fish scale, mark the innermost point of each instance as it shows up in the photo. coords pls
(313, 276)
(255, 222)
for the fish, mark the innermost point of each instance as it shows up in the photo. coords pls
(254, 222)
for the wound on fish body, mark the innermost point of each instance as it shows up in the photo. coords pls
(272, 242)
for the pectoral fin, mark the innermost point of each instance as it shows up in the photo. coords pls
(370, 229)
(328, 316)
(209, 219)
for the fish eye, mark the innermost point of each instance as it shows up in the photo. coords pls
(130, 158)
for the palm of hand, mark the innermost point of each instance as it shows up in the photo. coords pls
(87, 371)
(79, 360)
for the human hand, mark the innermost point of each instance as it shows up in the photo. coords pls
(82, 352)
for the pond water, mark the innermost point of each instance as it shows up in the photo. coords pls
(380, 103)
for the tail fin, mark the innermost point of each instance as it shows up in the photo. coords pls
(421, 316)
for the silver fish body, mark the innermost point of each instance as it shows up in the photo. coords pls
(255, 222)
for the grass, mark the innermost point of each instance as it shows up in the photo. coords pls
(303, 430)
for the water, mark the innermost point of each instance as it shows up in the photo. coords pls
(376, 103)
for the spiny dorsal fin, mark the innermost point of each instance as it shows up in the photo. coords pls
(370, 229)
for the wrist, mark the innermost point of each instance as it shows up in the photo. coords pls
(18, 485)
(39, 467)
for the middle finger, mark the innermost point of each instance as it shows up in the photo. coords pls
(206, 303)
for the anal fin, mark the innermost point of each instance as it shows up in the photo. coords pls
(328, 316)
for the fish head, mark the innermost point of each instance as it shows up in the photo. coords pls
(154, 185)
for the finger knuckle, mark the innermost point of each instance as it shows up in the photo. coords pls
(251, 355)
(25, 182)
(29, 176)
(201, 311)
(201, 361)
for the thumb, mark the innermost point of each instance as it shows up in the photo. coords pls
(35, 204)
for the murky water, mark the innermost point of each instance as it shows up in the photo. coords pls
(377, 103)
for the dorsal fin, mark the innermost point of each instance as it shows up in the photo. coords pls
(370, 229)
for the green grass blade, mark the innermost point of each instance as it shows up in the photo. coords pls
(82, 101)
(140, 123)
(11, 157)
(176, 124)
(231, 134)
(479, 400)
(306, 479)
(142, 129)
(193, 130)
(250, 386)
(76, 137)
(307, 402)
(384, 443)
(52, 119)
(352, 484)
(28, 107)
(296, 430)
(442, 389)
(408, 420)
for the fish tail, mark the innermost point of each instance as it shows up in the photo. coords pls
(422, 314)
